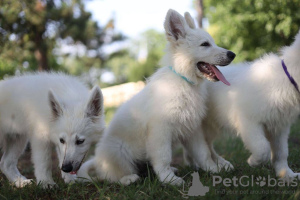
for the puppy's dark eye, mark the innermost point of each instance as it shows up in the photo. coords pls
(62, 140)
(205, 44)
(79, 142)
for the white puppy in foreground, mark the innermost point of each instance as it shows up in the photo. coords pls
(169, 108)
(260, 106)
(47, 108)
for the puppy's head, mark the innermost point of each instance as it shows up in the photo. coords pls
(193, 50)
(75, 127)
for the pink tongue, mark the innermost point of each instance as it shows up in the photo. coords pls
(75, 172)
(220, 75)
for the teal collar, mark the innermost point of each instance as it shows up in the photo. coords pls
(181, 76)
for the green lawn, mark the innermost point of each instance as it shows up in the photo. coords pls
(150, 188)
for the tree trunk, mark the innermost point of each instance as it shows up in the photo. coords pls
(41, 57)
(199, 8)
(41, 53)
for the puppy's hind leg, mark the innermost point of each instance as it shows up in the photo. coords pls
(13, 148)
(114, 162)
(127, 180)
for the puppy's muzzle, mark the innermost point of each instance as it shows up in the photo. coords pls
(67, 167)
(230, 55)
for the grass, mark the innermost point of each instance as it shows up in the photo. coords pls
(149, 187)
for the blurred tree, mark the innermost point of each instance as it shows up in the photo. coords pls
(251, 28)
(119, 64)
(30, 30)
(140, 60)
(151, 49)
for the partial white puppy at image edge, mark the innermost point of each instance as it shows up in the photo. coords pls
(46, 109)
(260, 106)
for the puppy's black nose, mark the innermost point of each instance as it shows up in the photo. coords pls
(230, 55)
(67, 167)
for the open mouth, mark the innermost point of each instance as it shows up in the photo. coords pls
(211, 72)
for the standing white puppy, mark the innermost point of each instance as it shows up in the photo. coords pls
(169, 108)
(260, 106)
(47, 108)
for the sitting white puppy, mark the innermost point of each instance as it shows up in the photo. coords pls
(169, 108)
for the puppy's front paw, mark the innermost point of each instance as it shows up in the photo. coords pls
(127, 180)
(224, 164)
(69, 178)
(47, 184)
(177, 181)
(23, 182)
(287, 175)
(212, 167)
(256, 160)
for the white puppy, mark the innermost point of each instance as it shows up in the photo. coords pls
(260, 106)
(169, 108)
(47, 108)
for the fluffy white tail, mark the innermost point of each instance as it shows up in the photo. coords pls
(83, 173)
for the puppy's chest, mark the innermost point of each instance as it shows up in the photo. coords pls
(187, 107)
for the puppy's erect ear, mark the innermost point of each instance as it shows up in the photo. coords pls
(95, 106)
(54, 105)
(189, 20)
(174, 25)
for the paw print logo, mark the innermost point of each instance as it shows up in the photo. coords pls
(261, 181)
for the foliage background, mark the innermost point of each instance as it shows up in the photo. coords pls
(253, 27)
(61, 35)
